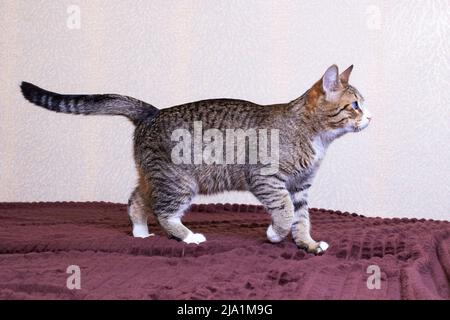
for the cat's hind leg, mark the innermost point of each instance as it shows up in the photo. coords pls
(138, 211)
(170, 201)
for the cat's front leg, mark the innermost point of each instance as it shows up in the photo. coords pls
(301, 226)
(276, 199)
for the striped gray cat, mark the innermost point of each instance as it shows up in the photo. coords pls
(306, 126)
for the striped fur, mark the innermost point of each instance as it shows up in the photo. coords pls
(306, 125)
(101, 104)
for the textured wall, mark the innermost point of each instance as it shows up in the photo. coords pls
(170, 52)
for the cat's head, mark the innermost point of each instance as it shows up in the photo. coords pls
(338, 106)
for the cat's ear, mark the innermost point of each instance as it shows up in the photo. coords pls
(346, 75)
(330, 80)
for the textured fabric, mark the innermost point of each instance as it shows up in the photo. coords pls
(38, 241)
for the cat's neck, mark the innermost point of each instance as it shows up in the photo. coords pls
(318, 135)
(306, 119)
(329, 136)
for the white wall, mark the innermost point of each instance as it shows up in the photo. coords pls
(170, 52)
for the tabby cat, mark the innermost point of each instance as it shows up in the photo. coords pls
(306, 126)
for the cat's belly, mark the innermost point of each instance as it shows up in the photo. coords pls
(219, 179)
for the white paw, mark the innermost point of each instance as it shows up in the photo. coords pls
(272, 235)
(315, 247)
(196, 238)
(141, 231)
(323, 246)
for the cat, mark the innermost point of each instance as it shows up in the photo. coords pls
(306, 126)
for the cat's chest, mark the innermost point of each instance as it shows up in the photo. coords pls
(309, 158)
(319, 150)
(307, 172)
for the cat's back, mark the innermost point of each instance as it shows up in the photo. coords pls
(219, 114)
(215, 113)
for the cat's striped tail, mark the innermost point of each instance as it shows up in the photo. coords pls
(102, 104)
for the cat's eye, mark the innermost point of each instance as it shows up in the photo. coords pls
(355, 105)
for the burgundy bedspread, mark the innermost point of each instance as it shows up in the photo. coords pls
(39, 241)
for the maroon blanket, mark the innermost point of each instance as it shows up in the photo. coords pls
(39, 241)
